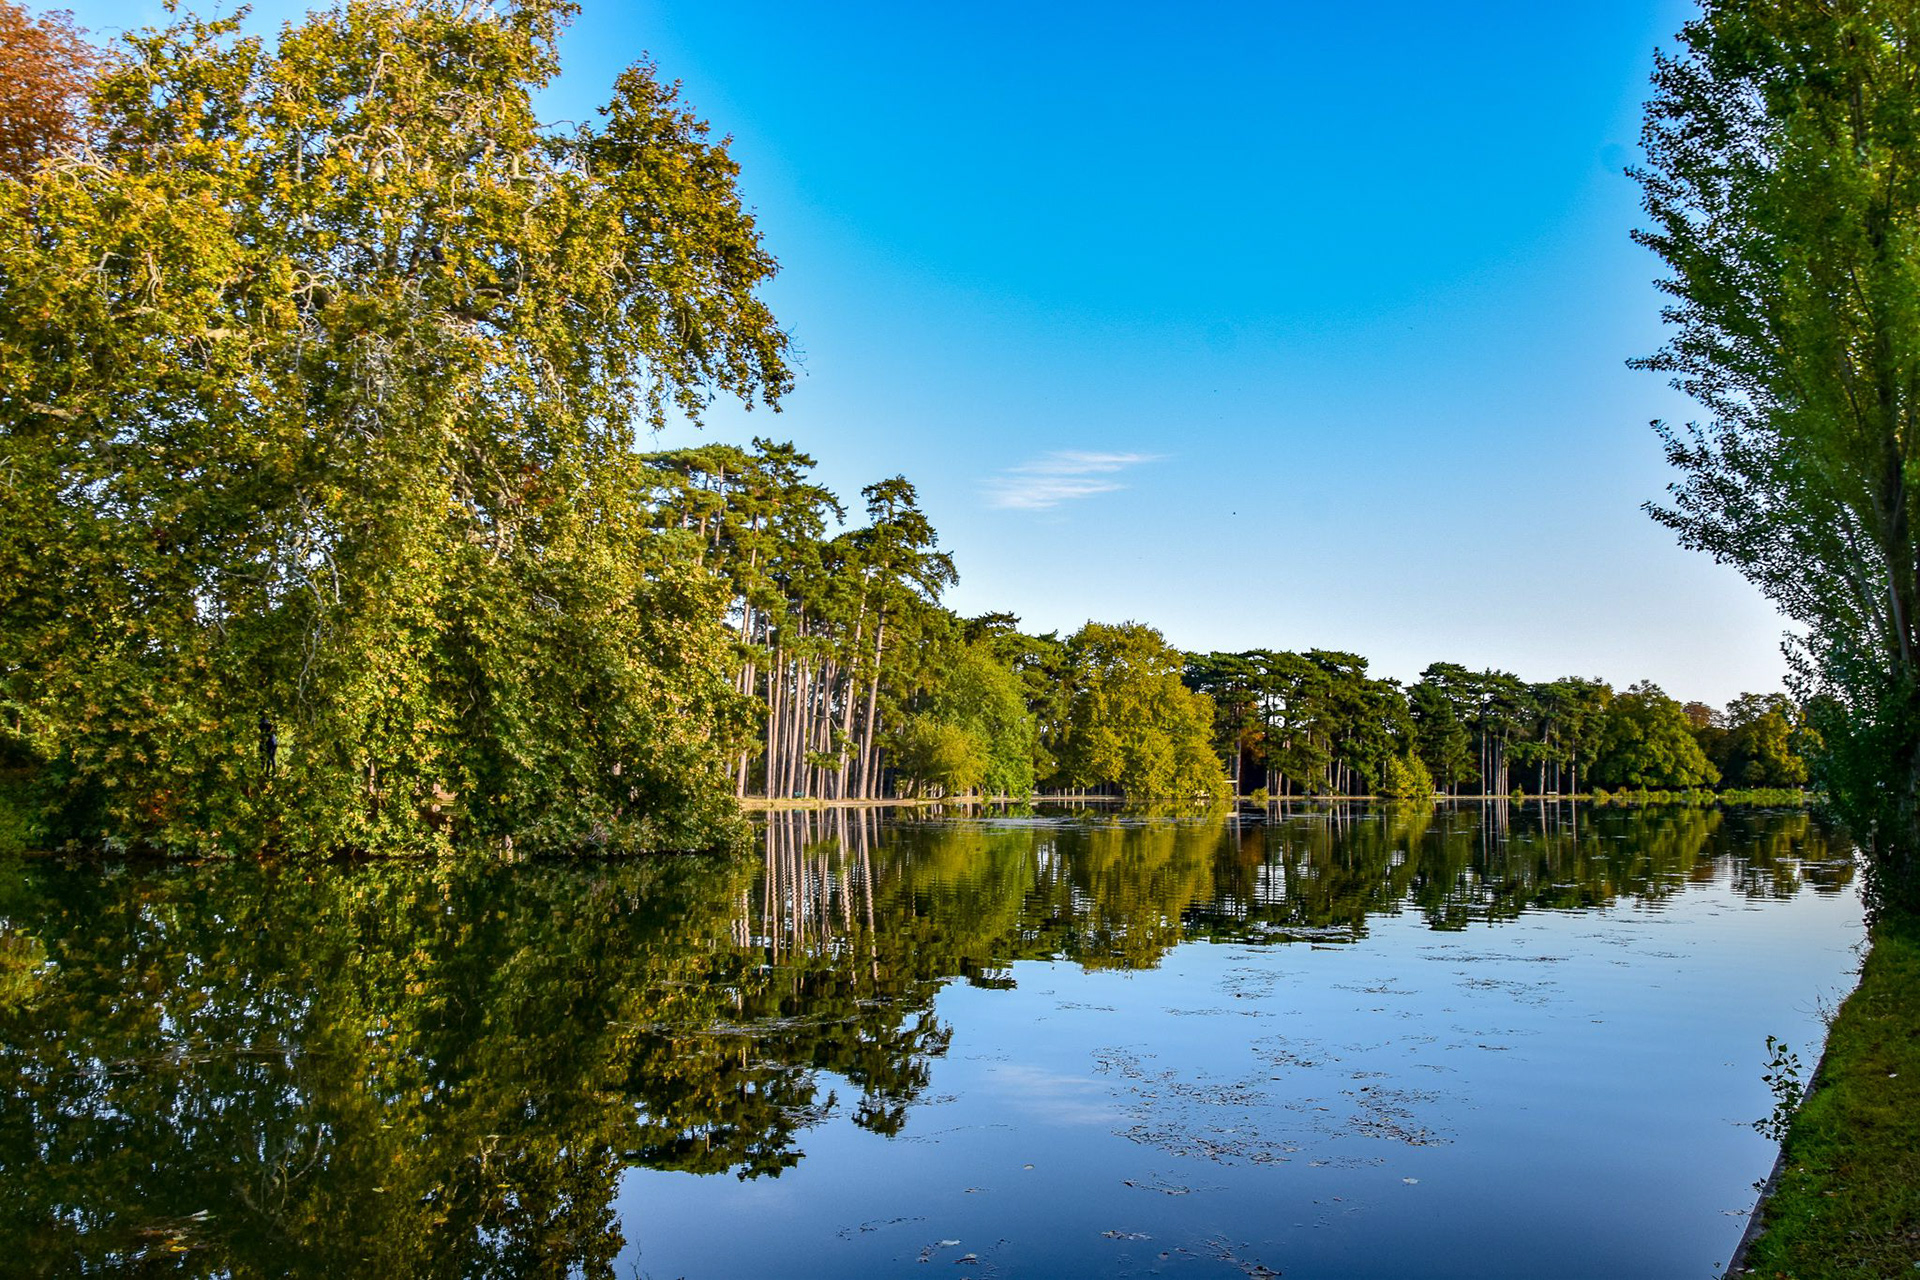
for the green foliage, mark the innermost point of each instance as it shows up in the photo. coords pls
(1783, 189)
(1443, 743)
(1408, 780)
(1783, 1081)
(1131, 724)
(983, 698)
(323, 369)
(1760, 741)
(1314, 722)
(942, 757)
(1646, 741)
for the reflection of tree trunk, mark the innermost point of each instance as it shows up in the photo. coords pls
(866, 884)
(767, 889)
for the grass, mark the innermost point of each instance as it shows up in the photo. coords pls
(1848, 1199)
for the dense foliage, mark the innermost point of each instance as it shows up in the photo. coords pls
(321, 368)
(47, 66)
(1316, 724)
(1783, 189)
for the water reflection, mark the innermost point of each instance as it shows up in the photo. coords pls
(444, 1069)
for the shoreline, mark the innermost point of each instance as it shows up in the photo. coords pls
(765, 804)
(1843, 1199)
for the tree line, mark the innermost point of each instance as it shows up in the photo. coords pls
(1315, 723)
(865, 686)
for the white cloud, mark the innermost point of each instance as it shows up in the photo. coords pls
(1060, 476)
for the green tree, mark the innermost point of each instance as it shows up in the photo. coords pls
(975, 733)
(1232, 681)
(1407, 779)
(1782, 186)
(1442, 743)
(1764, 736)
(941, 757)
(322, 371)
(1132, 724)
(1040, 663)
(1647, 742)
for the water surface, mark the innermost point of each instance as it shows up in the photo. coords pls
(1476, 1042)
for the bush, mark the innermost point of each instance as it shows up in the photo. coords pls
(1407, 779)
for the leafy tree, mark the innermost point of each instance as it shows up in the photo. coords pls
(1232, 681)
(1782, 185)
(1763, 738)
(1040, 663)
(942, 757)
(1407, 779)
(1647, 742)
(322, 375)
(976, 732)
(47, 66)
(1132, 724)
(1441, 742)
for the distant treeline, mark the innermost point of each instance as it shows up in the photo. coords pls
(866, 686)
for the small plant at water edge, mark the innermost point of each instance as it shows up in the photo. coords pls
(1782, 1077)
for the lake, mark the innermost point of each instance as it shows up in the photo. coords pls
(1493, 1040)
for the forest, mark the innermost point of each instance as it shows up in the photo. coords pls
(332, 518)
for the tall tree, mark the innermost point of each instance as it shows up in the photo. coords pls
(1645, 741)
(1782, 185)
(322, 372)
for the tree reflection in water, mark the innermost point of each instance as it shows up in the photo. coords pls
(442, 1069)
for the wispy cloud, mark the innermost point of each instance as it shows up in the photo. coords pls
(1061, 476)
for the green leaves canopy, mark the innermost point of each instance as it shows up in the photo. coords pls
(1783, 189)
(1646, 741)
(1131, 723)
(319, 378)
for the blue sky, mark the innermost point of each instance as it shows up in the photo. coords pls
(1281, 325)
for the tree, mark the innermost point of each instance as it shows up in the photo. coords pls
(1232, 681)
(941, 757)
(975, 732)
(1441, 742)
(1132, 724)
(1646, 742)
(1407, 779)
(47, 66)
(323, 371)
(1763, 740)
(1783, 189)
(1040, 663)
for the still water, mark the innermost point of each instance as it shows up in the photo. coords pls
(1472, 1042)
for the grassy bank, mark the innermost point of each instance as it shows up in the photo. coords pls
(1848, 1199)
